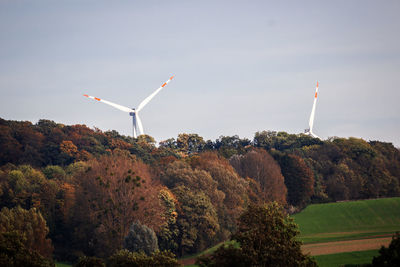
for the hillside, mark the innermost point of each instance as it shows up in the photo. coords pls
(188, 190)
(349, 220)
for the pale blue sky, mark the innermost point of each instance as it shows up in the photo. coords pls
(241, 66)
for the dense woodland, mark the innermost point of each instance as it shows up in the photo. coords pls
(74, 191)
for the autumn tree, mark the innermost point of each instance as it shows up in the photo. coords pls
(10, 148)
(181, 173)
(197, 198)
(299, 179)
(30, 225)
(229, 183)
(259, 165)
(115, 191)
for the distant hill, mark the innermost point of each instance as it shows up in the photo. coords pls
(190, 191)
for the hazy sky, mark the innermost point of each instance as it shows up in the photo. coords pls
(240, 66)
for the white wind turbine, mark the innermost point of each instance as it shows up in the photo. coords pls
(309, 131)
(137, 123)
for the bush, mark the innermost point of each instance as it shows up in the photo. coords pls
(389, 256)
(125, 258)
(90, 262)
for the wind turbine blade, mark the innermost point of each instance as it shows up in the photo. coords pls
(147, 99)
(111, 104)
(311, 121)
(139, 124)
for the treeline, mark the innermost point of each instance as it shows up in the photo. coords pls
(92, 187)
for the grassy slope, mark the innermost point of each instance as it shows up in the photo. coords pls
(345, 221)
(349, 220)
(357, 257)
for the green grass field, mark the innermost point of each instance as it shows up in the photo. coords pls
(340, 259)
(345, 221)
(349, 220)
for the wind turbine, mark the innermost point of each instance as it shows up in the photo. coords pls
(309, 131)
(137, 123)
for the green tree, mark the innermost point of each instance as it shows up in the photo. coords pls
(169, 232)
(197, 220)
(228, 146)
(125, 258)
(267, 237)
(390, 256)
(30, 225)
(14, 253)
(190, 143)
(54, 172)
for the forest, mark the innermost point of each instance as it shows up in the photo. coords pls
(73, 191)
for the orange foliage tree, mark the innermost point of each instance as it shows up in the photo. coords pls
(260, 166)
(230, 183)
(114, 192)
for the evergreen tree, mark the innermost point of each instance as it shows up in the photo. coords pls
(141, 238)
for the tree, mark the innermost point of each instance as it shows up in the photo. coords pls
(190, 143)
(169, 232)
(30, 225)
(389, 256)
(54, 172)
(299, 179)
(267, 237)
(180, 173)
(228, 146)
(10, 148)
(283, 141)
(197, 220)
(229, 183)
(113, 192)
(13, 252)
(141, 238)
(259, 165)
(125, 258)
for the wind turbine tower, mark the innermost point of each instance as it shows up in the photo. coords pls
(309, 131)
(137, 123)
